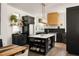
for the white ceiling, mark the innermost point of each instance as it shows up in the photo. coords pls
(33, 7)
(28, 7)
(36, 8)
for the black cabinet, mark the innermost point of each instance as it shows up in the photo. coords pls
(1, 45)
(25, 29)
(28, 20)
(73, 30)
(19, 39)
(60, 34)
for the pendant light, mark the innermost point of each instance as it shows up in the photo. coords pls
(43, 13)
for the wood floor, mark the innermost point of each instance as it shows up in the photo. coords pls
(58, 50)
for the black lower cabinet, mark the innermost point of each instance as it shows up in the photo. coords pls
(60, 34)
(19, 39)
(73, 30)
(61, 37)
(1, 45)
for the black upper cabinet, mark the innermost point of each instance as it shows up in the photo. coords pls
(28, 20)
(73, 30)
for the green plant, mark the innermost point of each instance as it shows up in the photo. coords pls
(13, 18)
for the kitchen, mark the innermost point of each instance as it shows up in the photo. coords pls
(44, 29)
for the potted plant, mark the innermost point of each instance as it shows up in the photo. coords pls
(13, 19)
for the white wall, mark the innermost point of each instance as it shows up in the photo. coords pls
(6, 29)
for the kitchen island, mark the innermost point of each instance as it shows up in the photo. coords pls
(42, 43)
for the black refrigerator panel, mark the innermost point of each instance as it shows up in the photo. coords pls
(73, 30)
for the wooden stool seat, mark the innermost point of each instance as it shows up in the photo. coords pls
(13, 50)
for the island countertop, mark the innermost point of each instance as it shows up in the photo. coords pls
(43, 35)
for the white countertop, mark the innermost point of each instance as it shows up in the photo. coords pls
(43, 35)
